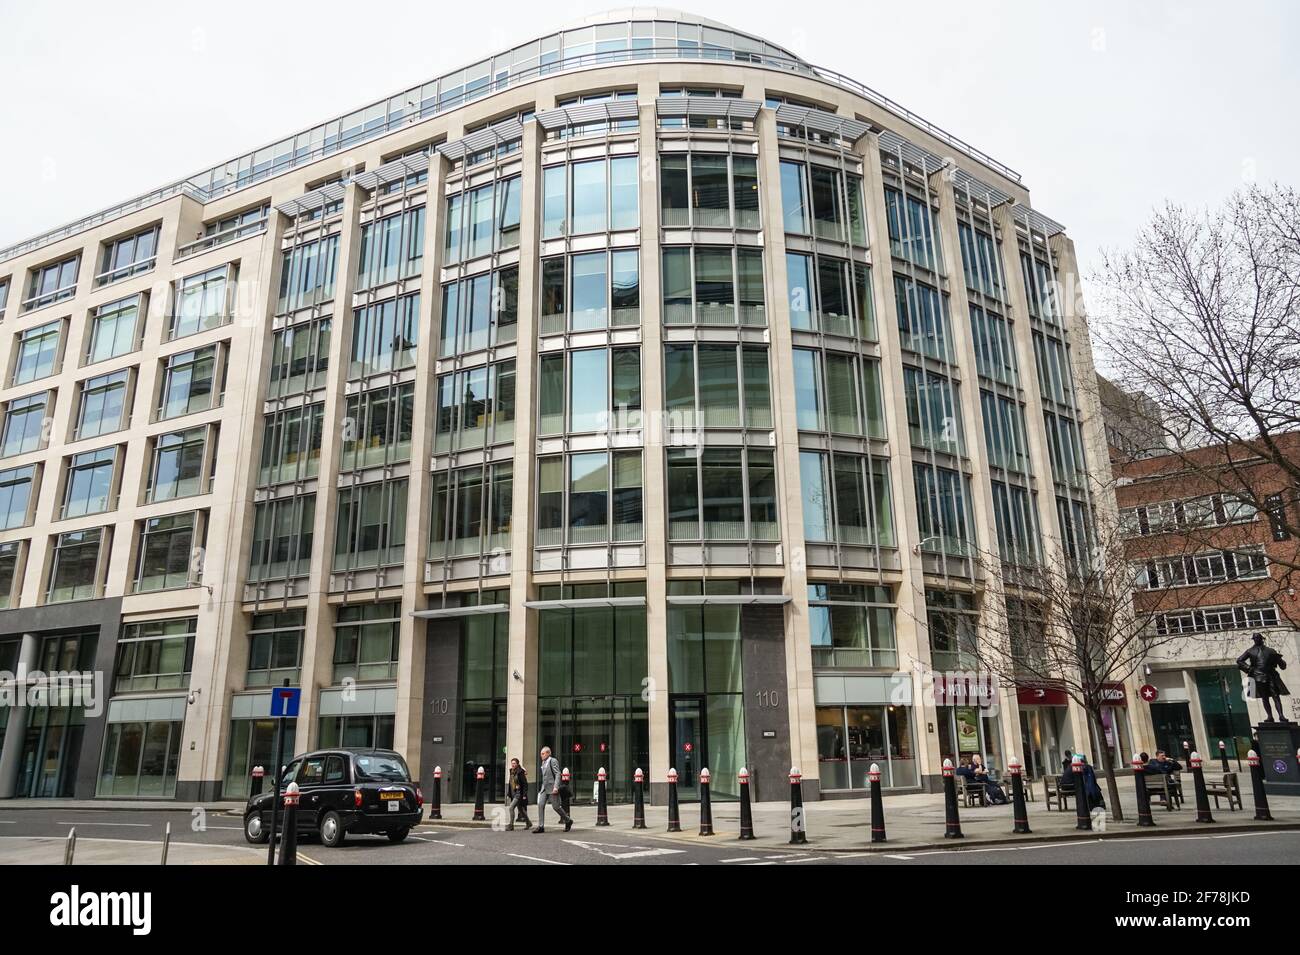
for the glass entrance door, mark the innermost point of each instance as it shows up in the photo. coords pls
(591, 732)
(484, 740)
(1172, 723)
(690, 733)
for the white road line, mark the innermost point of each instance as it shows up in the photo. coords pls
(86, 822)
(739, 859)
(230, 828)
(804, 859)
(889, 856)
(535, 859)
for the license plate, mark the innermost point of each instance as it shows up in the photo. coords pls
(394, 806)
(386, 796)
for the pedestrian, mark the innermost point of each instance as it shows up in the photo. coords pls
(517, 796)
(993, 793)
(548, 791)
(1091, 791)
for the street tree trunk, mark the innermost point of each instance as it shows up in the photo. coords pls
(1103, 759)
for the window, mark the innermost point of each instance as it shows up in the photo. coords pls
(601, 391)
(24, 424)
(942, 510)
(1016, 516)
(482, 220)
(1065, 448)
(155, 655)
(366, 641)
(178, 465)
(829, 295)
(384, 336)
(282, 538)
(475, 407)
(16, 486)
(708, 190)
(202, 302)
(713, 285)
(1052, 359)
(597, 195)
(189, 383)
(479, 311)
(88, 487)
(1218, 619)
(308, 274)
(601, 490)
(103, 403)
(980, 261)
(852, 626)
(923, 319)
(472, 510)
(1040, 288)
(275, 647)
(598, 289)
(1211, 567)
(9, 553)
(1075, 520)
(837, 392)
(300, 358)
(953, 621)
(37, 352)
(170, 552)
(392, 248)
(717, 386)
(113, 329)
(377, 427)
(370, 530)
(52, 283)
(74, 566)
(846, 498)
(933, 411)
(4, 296)
(995, 350)
(129, 255)
(291, 442)
(719, 493)
(911, 232)
(1004, 432)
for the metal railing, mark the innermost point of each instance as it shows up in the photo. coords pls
(253, 174)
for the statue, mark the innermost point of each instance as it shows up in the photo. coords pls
(1261, 664)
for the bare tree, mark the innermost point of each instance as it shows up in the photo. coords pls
(1073, 625)
(1202, 317)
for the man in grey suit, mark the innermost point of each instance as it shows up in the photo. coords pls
(548, 790)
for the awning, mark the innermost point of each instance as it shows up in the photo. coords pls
(584, 602)
(470, 611)
(693, 600)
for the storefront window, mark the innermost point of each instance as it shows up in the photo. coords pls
(851, 738)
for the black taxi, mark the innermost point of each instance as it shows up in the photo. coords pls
(344, 790)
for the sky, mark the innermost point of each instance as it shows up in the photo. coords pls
(1108, 108)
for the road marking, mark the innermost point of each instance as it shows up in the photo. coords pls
(82, 822)
(638, 852)
(8, 822)
(230, 828)
(804, 859)
(436, 842)
(896, 856)
(535, 859)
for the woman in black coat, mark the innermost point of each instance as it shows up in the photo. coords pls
(517, 796)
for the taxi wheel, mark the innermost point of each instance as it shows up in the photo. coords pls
(331, 830)
(398, 835)
(254, 830)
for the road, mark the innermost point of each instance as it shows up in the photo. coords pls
(138, 833)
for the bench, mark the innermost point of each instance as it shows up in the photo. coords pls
(1227, 788)
(971, 791)
(1056, 793)
(1167, 787)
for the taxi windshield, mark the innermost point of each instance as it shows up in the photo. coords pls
(387, 768)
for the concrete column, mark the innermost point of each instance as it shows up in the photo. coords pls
(16, 730)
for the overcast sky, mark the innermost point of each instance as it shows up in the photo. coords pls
(1106, 108)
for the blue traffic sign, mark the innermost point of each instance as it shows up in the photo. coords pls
(284, 701)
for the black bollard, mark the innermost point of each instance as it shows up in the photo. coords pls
(602, 801)
(1019, 814)
(638, 800)
(951, 819)
(746, 811)
(1257, 785)
(289, 838)
(1083, 818)
(674, 814)
(877, 805)
(479, 776)
(435, 803)
(706, 807)
(255, 788)
(798, 831)
(1202, 797)
(1143, 797)
(1223, 757)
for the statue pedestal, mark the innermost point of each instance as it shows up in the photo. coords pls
(1278, 743)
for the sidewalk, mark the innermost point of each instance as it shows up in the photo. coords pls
(120, 805)
(912, 821)
(49, 850)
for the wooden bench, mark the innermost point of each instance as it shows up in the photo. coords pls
(1055, 793)
(971, 791)
(1226, 787)
(1166, 787)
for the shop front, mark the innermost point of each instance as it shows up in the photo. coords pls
(1045, 731)
(865, 719)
